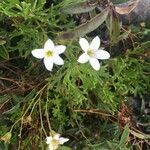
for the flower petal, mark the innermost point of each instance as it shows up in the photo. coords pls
(60, 49)
(38, 53)
(51, 147)
(95, 63)
(63, 140)
(83, 58)
(56, 136)
(48, 63)
(84, 44)
(58, 60)
(102, 54)
(49, 45)
(95, 44)
(48, 139)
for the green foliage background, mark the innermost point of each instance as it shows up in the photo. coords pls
(41, 95)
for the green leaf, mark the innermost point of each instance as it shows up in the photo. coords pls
(12, 110)
(13, 1)
(4, 98)
(124, 137)
(29, 96)
(2, 41)
(110, 145)
(123, 36)
(113, 25)
(4, 53)
(6, 137)
(40, 3)
(146, 45)
(140, 135)
(64, 148)
(79, 8)
(87, 27)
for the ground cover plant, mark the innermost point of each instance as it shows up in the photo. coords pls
(73, 76)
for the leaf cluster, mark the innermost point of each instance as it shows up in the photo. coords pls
(66, 99)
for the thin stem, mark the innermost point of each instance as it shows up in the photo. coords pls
(35, 3)
(20, 134)
(4, 103)
(47, 115)
(34, 106)
(39, 92)
(81, 130)
(41, 118)
(93, 111)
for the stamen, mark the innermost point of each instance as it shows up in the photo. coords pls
(49, 53)
(90, 52)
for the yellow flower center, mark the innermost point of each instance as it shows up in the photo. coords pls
(54, 143)
(49, 53)
(90, 52)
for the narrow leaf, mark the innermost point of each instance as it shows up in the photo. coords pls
(77, 8)
(4, 53)
(29, 97)
(127, 7)
(6, 138)
(87, 27)
(113, 25)
(115, 28)
(123, 36)
(146, 45)
(12, 110)
(125, 136)
(2, 41)
(140, 135)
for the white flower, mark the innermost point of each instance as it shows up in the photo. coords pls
(54, 141)
(50, 53)
(92, 52)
